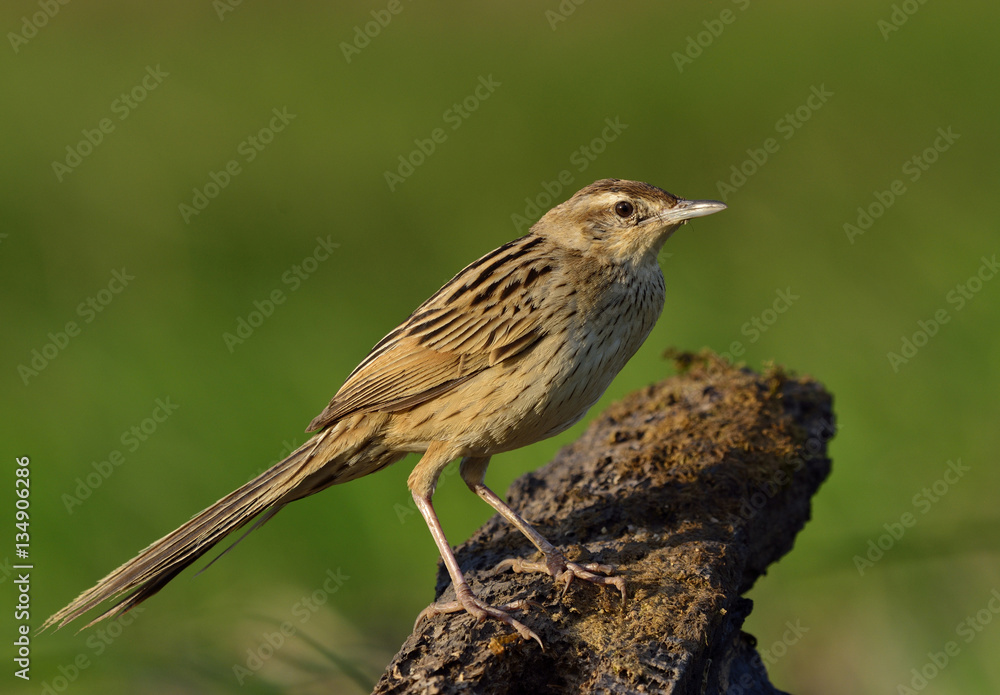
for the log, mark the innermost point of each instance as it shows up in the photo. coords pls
(690, 488)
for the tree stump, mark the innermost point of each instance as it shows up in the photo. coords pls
(690, 488)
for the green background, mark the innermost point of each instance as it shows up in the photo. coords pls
(323, 176)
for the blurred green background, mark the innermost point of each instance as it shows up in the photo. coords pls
(694, 90)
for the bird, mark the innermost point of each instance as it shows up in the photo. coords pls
(512, 350)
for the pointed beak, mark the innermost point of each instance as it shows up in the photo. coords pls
(689, 209)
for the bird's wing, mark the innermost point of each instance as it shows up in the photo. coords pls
(488, 313)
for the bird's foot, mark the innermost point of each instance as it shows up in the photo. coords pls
(556, 566)
(468, 602)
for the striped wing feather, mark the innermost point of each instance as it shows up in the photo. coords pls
(484, 315)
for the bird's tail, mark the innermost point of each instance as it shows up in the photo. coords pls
(305, 471)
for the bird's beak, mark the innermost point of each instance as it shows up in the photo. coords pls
(689, 209)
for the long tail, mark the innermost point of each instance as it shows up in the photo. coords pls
(150, 571)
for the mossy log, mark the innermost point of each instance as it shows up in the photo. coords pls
(690, 488)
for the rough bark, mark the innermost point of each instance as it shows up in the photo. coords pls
(691, 488)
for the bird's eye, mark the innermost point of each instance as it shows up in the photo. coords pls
(623, 208)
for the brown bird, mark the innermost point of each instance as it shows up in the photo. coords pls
(512, 350)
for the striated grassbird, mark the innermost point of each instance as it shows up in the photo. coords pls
(512, 350)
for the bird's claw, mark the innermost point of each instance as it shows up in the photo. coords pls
(565, 572)
(481, 611)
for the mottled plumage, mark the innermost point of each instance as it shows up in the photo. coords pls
(513, 349)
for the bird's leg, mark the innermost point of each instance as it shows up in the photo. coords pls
(422, 482)
(473, 472)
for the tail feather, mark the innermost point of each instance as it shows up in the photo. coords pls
(163, 560)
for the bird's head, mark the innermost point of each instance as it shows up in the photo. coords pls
(620, 221)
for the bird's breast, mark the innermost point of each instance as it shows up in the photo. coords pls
(570, 370)
(590, 333)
